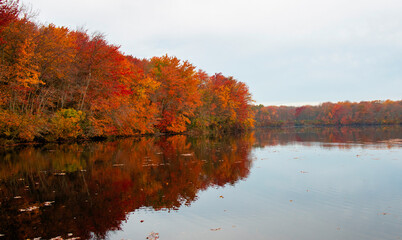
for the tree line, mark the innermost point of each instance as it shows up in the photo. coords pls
(57, 83)
(342, 113)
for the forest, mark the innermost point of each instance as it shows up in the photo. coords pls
(58, 84)
(331, 114)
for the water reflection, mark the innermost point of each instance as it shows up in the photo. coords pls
(87, 190)
(340, 137)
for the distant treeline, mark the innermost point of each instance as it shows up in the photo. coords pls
(341, 113)
(56, 83)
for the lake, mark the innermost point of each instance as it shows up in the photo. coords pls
(294, 183)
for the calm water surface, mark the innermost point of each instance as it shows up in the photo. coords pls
(299, 183)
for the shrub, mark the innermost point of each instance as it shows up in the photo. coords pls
(66, 124)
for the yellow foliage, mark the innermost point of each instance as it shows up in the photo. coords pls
(65, 124)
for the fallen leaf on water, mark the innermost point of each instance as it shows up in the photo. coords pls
(384, 213)
(17, 197)
(153, 236)
(290, 200)
(141, 221)
(221, 196)
(29, 209)
(338, 228)
(118, 165)
(215, 229)
(57, 238)
(303, 172)
(48, 203)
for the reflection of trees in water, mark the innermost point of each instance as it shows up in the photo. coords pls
(95, 185)
(339, 137)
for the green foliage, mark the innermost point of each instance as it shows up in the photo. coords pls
(66, 124)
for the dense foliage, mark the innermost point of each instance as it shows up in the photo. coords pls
(56, 83)
(341, 113)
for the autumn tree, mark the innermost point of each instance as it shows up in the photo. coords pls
(8, 12)
(177, 97)
(228, 102)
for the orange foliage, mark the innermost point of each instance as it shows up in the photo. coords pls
(46, 69)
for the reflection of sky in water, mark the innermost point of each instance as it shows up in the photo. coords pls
(291, 183)
(295, 191)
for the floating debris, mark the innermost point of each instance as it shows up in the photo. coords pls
(221, 196)
(118, 165)
(215, 229)
(60, 174)
(141, 221)
(384, 213)
(153, 236)
(303, 172)
(29, 209)
(290, 200)
(151, 165)
(187, 154)
(17, 197)
(49, 203)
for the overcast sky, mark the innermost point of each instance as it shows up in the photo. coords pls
(287, 51)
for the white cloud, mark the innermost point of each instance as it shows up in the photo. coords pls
(286, 51)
